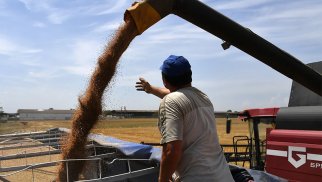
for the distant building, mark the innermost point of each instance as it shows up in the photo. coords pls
(4, 116)
(133, 113)
(49, 114)
(123, 113)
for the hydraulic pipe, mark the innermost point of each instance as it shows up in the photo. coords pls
(148, 12)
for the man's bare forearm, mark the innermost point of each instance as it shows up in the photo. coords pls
(159, 92)
(171, 156)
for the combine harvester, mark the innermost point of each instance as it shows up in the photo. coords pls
(294, 146)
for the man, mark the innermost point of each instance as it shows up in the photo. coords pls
(191, 150)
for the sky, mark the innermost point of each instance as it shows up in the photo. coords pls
(49, 48)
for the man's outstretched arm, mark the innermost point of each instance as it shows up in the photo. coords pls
(143, 85)
(171, 156)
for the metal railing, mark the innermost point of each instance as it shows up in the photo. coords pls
(130, 174)
(21, 147)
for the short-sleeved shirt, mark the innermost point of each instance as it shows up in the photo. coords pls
(188, 115)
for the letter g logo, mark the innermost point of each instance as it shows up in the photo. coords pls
(302, 157)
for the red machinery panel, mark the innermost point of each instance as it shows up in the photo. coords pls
(260, 113)
(295, 155)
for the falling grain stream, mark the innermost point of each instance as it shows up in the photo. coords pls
(90, 103)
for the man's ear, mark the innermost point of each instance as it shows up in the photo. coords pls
(165, 83)
(163, 80)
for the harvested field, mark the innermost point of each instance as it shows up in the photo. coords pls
(31, 126)
(134, 130)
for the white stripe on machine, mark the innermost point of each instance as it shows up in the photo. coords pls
(279, 153)
(314, 157)
(294, 162)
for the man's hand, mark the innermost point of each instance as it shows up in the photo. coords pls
(143, 85)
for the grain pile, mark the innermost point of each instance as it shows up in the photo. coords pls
(90, 104)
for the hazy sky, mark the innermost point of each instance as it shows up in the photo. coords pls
(48, 49)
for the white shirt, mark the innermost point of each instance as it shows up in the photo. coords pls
(188, 115)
